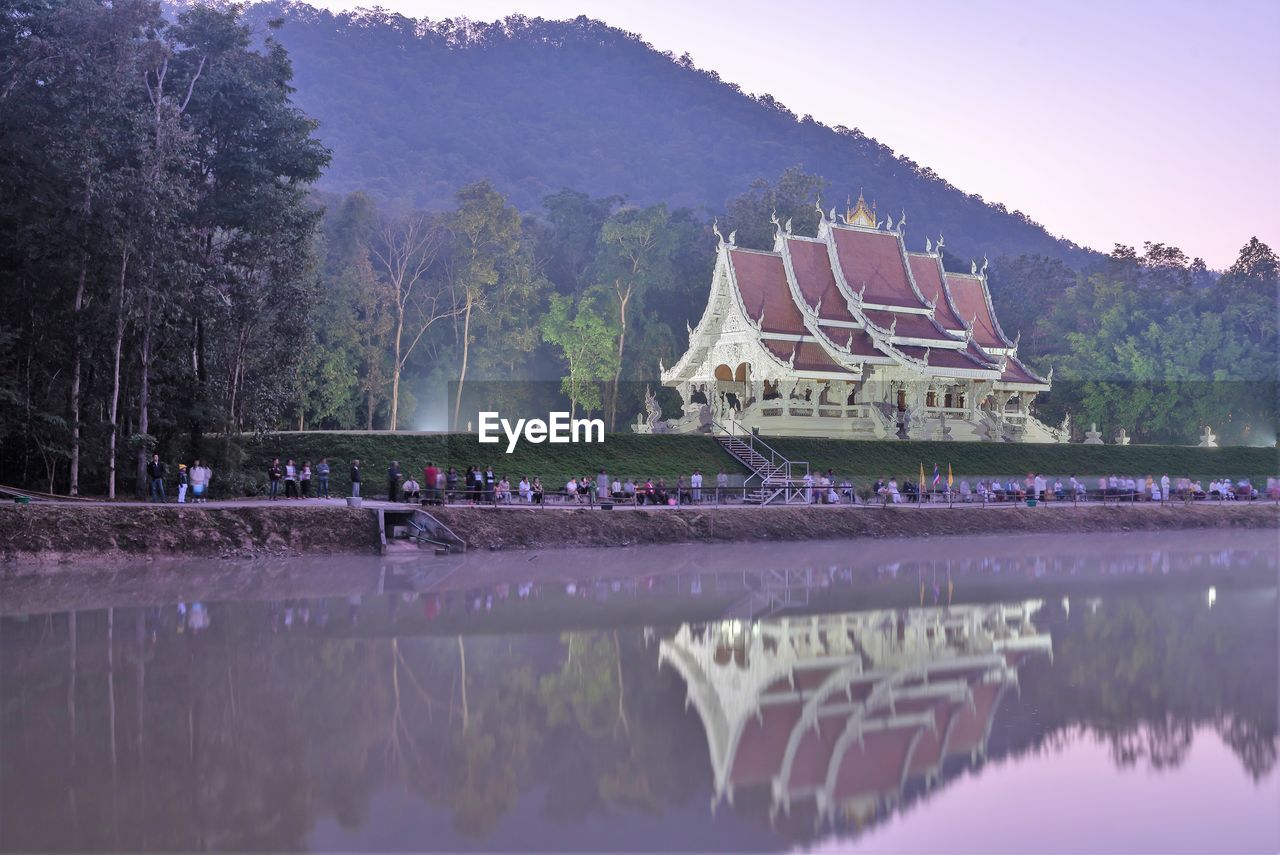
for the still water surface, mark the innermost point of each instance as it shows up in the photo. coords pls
(1013, 694)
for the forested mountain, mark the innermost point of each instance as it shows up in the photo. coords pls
(413, 110)
(182, 261)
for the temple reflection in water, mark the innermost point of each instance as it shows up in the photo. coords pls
(741, 699)
(841, 714)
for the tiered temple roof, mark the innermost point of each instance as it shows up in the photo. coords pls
(826, 305)
(842, 711)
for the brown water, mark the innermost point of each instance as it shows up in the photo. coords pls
(984, 694)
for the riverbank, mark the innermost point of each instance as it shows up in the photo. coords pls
(42, 533)
(45, 532)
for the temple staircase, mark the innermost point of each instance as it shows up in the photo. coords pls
(774, 477)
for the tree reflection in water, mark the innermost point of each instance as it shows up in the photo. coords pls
(136, 728)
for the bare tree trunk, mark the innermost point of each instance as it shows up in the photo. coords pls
(115, 378)
(462, 658)
(74, 488)
(623, 299)
(144, 400)
(462, 375)
(396, 365)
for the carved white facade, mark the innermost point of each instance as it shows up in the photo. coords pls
(847, 334)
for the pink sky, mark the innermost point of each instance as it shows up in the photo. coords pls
(1107, 122)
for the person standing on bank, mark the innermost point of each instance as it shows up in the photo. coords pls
(290, 479)
(274, 474)
(183, 480)
(602, 486)
(200, 475)
(355, 479)
(393, 481)
(322, 473)
(695, 486)
(155, 474)
(304, 478)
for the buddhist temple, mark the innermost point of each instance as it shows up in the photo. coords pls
(849, 334)
(840, 715)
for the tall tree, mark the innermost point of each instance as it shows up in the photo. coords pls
(635, 255)
(405, 251)
(484, 244)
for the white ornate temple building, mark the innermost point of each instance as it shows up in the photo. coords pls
(848, 334)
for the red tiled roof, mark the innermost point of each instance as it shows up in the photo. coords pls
(813, 754)
(812, 266)
(944, 357)
(861, 345)
(875, 260)
(875, 765)
(925, 270)
(763, 742)
(909, 325)
(1016, 372)
(762, 283)
(810, 356)
(968, 294)
(928, 753)
(970, 725)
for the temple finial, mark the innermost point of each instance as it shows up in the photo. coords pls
(983, 271)
(733, 238)
(715, 230)
(973, 267)
(928, 245)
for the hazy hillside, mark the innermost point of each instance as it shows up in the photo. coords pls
(412, 110)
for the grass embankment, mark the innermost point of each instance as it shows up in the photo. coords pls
(627, 454)
(977, 459)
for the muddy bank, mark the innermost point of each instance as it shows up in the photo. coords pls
(46, 532)
(485, 528)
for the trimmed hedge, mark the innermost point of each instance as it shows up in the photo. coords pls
(640, 456)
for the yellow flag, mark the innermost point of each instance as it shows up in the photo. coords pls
(950, 480)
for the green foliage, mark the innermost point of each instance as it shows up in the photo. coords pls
(1153, 343)
(586, 337)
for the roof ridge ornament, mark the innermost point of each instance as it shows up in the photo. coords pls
(902, 219)
(861, 291)
(848, 345)
(787, 226)
(760, 320)
(733, 238)
(893, 327)
(794, 349)
(925, 358)
(715, 230)
(928, 244)
(859, 214)
(817, 309)
(983, 271)
(973, 267)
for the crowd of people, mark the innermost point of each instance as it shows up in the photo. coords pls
(481, 485)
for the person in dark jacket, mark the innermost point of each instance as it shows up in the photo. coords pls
(155, 473)
(355, 478)
(322, 473)
(274, 474)
(393, 481)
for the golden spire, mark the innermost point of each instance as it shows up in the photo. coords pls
(860, 214)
